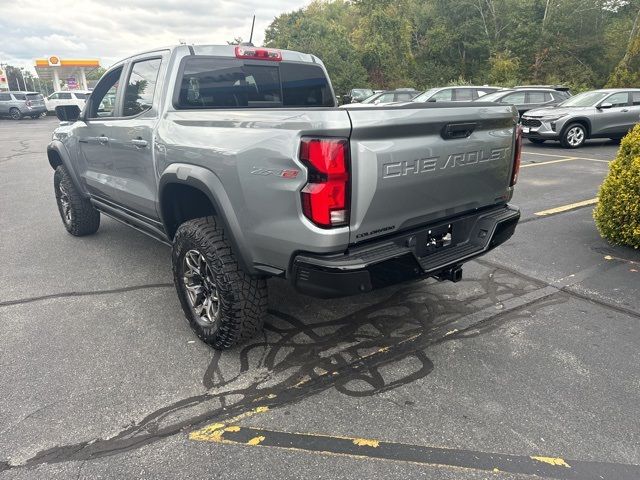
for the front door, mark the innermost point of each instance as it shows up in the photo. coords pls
(132, 136)
(95, 162)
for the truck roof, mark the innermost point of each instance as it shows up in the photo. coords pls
(230, 51)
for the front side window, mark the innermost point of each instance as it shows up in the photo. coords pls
(103, 103)
(141, 86)
(515, 98)
(5, 97)
(229, 83)
(620, 99)
(442, 96)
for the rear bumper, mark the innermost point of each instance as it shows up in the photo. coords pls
(405, 256)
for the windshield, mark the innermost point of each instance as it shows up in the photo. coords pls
(493, 97)
(423, 97)
(586, 99)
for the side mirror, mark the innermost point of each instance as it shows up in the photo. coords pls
(346, 99)
(68, 113)
(376, 102)
(432, 100)
(605, 106)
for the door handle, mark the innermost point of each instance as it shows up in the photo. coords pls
(139, 142)
(103, 139)
(624, 110)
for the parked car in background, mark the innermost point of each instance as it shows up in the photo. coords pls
(74, 97)
(454, 94)
(21, 104)
(391, 96)
(527, 98)
(357, 95)
(606, 113)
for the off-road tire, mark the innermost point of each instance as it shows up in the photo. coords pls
(564, 138)
(537, 141)
(15, 114)
(242, 298)
(83, 219)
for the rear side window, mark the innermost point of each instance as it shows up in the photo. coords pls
(228, 83)
(464, 94)
(81, 96)
(539, 97)
(635, 98)
(64, 96)
(34, 96)
(19, 96)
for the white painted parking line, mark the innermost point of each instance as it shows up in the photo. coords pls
(564, 156)
(537, 164)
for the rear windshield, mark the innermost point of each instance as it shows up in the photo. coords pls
(207, 82)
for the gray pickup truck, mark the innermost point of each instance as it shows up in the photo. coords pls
(239, 159)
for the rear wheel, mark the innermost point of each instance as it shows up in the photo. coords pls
(15, 114)
(78, 215)
(224, 305)
(536, 140)
(573, 136)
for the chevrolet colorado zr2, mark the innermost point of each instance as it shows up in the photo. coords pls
(239, 159)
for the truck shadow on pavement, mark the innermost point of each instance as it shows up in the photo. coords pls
(373, 349)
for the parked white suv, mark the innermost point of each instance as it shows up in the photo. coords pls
(73, 97)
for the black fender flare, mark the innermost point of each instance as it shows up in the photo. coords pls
(56, 150)
(209, 184)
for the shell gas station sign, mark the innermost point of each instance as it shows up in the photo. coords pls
(72, 71)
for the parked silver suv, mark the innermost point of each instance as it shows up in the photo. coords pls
(607, 113)
(21, 104)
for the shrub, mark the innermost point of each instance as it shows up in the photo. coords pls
(617, 215)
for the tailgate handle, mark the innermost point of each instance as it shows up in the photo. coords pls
(458, 130)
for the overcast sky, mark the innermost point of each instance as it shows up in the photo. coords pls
(113, 29)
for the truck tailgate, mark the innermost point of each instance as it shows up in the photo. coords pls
(416, 164)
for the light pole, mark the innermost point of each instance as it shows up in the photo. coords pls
(24, 82)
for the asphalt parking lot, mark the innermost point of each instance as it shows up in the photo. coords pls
(528, 367)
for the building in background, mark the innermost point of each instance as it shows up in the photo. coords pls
(66, 74)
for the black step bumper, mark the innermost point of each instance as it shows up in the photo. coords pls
(404, 256)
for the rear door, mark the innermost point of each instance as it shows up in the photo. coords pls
(131, 136)
(406, 173)
(614, 121)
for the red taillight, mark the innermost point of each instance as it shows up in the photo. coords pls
(28, 103)
(517, 154)
(256, 53)
(325, 199)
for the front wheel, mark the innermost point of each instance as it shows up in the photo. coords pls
(573, 136)
(78, 215)
(224, 305)
(537, 141)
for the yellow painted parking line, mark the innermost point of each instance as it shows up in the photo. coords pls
(367, 448)
(567, 159)
(566, 208)
(564, 156)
